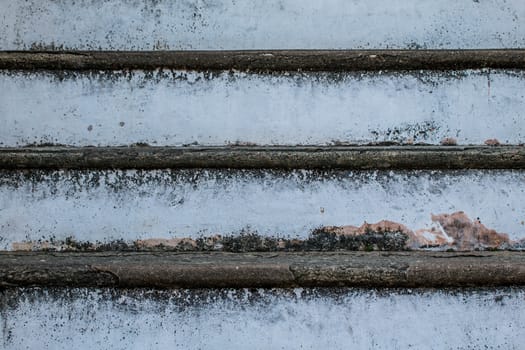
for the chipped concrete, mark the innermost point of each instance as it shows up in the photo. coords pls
(105, 206)
(449, 141)
(228, 108)
(274, 24)
(262, 319)
(454, 230)
(492, 142)
(469, 234)
(164, 242)
(418, 239)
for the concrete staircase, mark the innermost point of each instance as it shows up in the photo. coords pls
(279, 174)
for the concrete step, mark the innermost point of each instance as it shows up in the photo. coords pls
(336, 318)
(175, 108)
(275, 24)
(115, 209)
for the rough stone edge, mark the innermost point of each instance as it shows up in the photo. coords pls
(267, 60)
(262, 270)
(255, 157)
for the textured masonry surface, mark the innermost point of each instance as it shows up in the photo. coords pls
(275, 24)
(262, 319)
(262, 269)
(130, 205)
(176, 108)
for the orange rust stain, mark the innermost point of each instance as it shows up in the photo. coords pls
(381, 226)
(454, 230)
(469, 234)
(169, 243)
(492, 142)
(417, 239)
(432, 237)
(36, 245)
(22, 246)
(449, 141)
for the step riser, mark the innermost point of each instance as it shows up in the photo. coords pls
(257, 319)
(224, 24)
(130, 205)
(178, 108)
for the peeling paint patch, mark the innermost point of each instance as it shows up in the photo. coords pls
(449, 141)
(469, 234)
(450, 231)
(492, 142)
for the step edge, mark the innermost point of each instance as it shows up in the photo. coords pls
(266, 60)
(266, 157)
(262, 270)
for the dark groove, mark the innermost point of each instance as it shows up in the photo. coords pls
(270, 157)
(269, 60)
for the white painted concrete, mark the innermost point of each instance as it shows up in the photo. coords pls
(177, 108)
(130, 205)
(279, 319)
(273, 24)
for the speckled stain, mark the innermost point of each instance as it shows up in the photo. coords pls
(287, 24)
(164, 107)
(335, 318)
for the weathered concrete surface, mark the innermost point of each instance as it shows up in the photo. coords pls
(176, 108)
(262, 319)
(275, 24)
(449, 232)
(268, 60)
(274, 157)
(91, 206)
(268, 270)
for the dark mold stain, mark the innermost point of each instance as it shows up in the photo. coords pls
(172, 77)
(246, 241)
